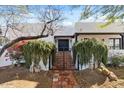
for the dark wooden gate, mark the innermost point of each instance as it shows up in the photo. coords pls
(63, 61)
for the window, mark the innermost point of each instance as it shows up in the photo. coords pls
(111, 43)
(86, 38)
(117, 43)
(114, 43)
(103, 40)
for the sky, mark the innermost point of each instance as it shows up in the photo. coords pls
(71, 15)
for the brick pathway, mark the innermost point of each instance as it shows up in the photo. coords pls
(64, 79)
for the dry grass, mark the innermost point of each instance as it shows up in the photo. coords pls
(20, 77)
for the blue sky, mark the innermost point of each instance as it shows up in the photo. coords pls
(71, 15)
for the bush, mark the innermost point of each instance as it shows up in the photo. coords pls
(117, 60)
(122, 59)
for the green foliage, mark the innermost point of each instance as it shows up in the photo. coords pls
(117, 60)
(36, 50)
(91, 47)
(84, 49)
(100, 52)
(110, 13)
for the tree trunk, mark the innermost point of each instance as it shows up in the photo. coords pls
(20, 39)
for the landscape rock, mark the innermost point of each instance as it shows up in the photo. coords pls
(112, 77)
(105, 71)
(109, 74)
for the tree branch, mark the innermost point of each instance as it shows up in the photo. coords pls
(28, 37)
(54, 16)
(49, 23)
(20, 39)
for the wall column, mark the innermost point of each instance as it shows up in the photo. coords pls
(122, 41)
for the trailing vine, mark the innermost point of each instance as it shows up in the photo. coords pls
(86, 49)
(37, 50)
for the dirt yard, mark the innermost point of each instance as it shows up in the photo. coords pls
(20, 77)
(94, 79)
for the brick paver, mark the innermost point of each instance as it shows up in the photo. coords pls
(64, 79)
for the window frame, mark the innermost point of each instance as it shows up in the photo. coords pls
(114, 44)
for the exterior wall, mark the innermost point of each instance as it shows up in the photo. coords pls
(98, 37)
(43, 66)
(112, 53)
(106, 37)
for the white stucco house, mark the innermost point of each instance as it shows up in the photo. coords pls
(112, 35)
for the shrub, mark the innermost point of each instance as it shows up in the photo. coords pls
(117, 60)
(122, 59)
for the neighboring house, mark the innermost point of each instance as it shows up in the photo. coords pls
(112, 35)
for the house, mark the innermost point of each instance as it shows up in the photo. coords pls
(112, 35)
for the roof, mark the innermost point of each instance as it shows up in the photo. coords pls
(66, 31)
(59, 36)
(80, 27)
(95, 27)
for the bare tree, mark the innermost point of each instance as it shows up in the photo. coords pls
(48, 14)
(11, 16)
(49, 19)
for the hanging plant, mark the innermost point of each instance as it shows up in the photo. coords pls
(86, 49)
(37, 50)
